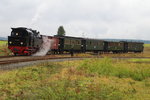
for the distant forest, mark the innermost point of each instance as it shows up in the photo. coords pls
(129, 40)
(2, 38)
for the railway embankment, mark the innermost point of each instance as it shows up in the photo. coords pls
(106, 79)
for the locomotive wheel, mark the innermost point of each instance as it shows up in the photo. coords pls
(25, 54)
(15, 54)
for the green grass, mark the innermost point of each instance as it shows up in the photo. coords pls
(91, 79)
(3, 43)
(146, 45)
(106, 67)
(139, 60)
(13, 83)
(4, 51)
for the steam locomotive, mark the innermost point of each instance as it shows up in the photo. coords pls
(25, 41)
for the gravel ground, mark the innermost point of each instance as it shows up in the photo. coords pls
(25, 64)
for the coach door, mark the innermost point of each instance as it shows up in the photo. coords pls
(83, 45)
(105, 46)
(125, 47)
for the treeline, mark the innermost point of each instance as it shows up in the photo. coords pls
(129, 40)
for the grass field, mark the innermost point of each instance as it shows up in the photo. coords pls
(140, 60)
(4, 49)
(91, 79)
(3, 43)
(146, 45)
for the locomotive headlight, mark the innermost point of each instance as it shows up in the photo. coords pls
(21, 43)
(10, 42)
(17, 33)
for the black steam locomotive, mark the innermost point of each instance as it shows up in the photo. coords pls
(24, 41)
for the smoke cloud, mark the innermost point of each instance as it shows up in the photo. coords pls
(46, 45)
(41, 9)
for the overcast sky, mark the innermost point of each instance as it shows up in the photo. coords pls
(127, 19)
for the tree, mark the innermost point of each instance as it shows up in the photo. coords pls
(61, 31)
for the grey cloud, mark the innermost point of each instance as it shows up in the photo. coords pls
(94, 18)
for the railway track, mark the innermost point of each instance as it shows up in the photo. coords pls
(3, 62)
(28, 59)
(20, 62)
(6, 56)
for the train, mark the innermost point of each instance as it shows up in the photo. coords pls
(26, 41)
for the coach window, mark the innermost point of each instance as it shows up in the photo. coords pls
(97, 43)
(66, 41)
(90, 42)
(110, 44)
(69, 41)
(78, 42)
(72, 42)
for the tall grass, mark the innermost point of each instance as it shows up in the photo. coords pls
(109, 68)
(91, 79)
(13, 84)
(102, 67)
(4, 51)
(78, 90)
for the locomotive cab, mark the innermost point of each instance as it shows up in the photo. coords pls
(18, 38)
(19, 32)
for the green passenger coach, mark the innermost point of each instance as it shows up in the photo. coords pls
(94, 45)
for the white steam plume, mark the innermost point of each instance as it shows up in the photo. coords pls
(40, 10)
(46, 45)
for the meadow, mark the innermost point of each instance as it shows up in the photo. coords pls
(89, 79)
(3, 43)
(4, 51)
(146, 45)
